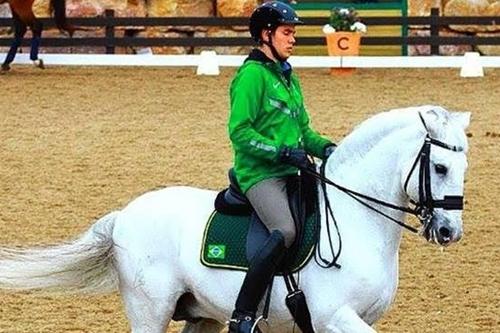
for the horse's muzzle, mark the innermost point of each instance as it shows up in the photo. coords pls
(443, 230)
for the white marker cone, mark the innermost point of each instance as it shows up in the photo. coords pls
(472, 65)
(208, 64)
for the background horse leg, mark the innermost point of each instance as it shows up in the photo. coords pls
(36, 28)
(58, 7)
(20, 29)
(203, 326)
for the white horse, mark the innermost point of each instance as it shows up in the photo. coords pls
(150, 249)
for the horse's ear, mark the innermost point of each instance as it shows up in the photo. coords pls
(462, 118)
(435, 118)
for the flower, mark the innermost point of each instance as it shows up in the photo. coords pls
(328, 29)
(358, 26)
(343, 19)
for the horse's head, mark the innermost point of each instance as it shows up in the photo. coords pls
(435, 180)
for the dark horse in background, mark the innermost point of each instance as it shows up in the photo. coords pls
(23, 17)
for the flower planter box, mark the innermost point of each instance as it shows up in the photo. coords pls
(343, 43)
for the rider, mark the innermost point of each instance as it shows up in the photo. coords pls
(271, 136)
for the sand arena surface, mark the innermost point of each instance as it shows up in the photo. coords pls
(76, 143)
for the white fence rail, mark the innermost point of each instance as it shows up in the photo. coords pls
(235, 61)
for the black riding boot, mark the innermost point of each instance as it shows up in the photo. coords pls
(259, 275)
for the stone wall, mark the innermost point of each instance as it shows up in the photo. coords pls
(457, 8)
(227, 8)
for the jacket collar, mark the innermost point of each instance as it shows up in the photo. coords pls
(284, 68)
(258, 55)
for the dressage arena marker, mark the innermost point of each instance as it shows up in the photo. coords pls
(208, 64)
(237, 60)
(472, 65)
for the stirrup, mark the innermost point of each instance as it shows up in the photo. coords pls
(257, 326)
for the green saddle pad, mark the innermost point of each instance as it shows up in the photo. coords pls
(224, 242)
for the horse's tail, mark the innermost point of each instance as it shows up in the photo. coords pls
(58, 7)
(83, 265)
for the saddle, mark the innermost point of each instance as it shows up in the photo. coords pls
(234, 213)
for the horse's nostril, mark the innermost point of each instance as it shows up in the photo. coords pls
(444, 232)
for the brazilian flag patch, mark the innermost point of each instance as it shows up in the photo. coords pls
(216, 251)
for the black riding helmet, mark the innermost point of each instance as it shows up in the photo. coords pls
(270, 15)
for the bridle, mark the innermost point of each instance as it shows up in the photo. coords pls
(423, 209)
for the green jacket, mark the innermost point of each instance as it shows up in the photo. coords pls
(267, 113)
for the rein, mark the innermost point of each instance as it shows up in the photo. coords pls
(424, 208)
(356, 196)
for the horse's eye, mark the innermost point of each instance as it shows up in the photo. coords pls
(441, 169)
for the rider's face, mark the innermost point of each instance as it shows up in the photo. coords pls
(284, 40)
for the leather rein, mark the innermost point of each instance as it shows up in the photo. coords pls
(423, 209)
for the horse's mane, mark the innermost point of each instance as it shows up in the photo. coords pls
(378, 127)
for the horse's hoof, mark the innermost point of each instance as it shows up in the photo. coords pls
(5, 68)
(39, 63)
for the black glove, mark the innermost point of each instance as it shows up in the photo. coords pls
(328, 150)
(296, 157)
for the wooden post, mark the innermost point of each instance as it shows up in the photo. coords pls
(434, 31)
(110, 32)
(404, 27)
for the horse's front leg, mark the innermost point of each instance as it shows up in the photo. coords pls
(346, 320)
(36, 28)
(20, 29)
